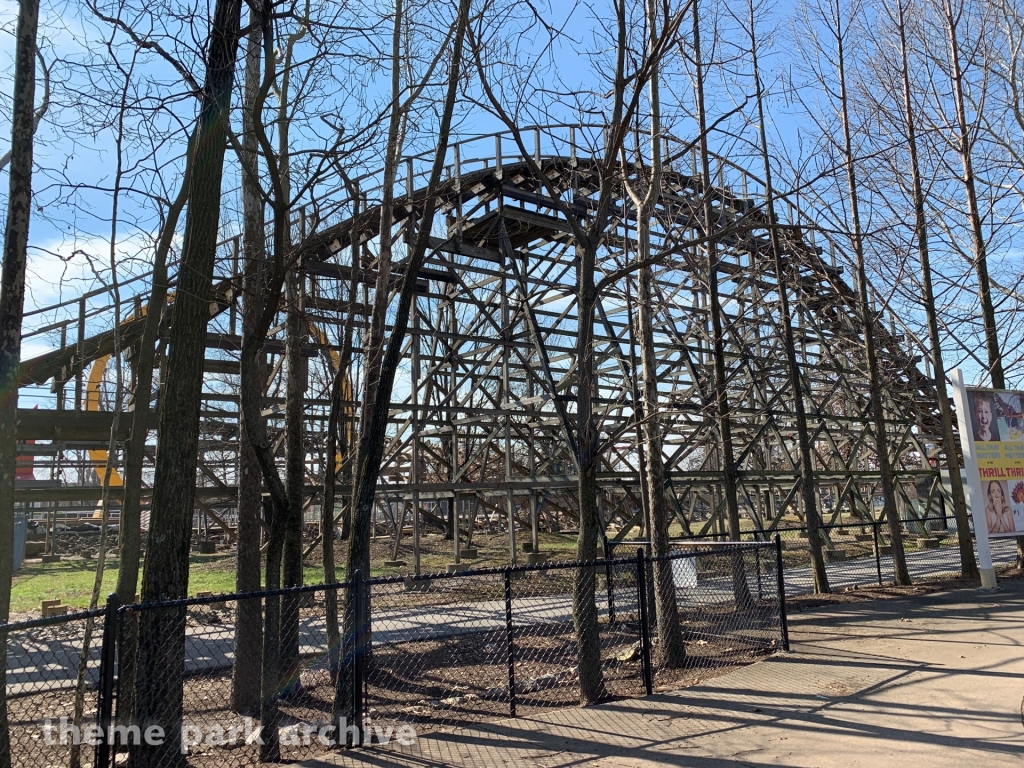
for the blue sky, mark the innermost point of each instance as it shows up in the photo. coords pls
(70, 245)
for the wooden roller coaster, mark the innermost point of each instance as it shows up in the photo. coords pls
(482, 408)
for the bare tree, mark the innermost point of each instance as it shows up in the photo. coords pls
(381, 381)
(897, 14)
(587, 236)
(165, 576)
(723, 416)
(12, 304)
(630, 75)
(246, 672)
(278, 191)
(338, 453)
(403, 99)
(115, 289)
(1005, 62)
(784, 276)
(834, 19)
(265, 302)
(964, 138)
(673, 649)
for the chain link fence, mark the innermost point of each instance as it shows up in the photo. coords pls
(860, 553)
(48, 660)
(183, 683)
(710, 607)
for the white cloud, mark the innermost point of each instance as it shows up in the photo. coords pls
(61, 271)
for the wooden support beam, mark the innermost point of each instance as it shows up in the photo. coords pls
(217, 519)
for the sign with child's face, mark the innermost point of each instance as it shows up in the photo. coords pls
(996, 439)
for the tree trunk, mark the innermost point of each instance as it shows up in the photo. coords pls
(875, 384)
(968, 562)
(12, 305)
(277, 510)
(651, 455)
(730, 483)
(130, 531)
(294, 482)
(245, 680)
(327, 529)
(978, 244)
(979, 247)
(810, 498)
(374, 428)
(584, 606)
(165, 576)
(673, 649)
(295, 385)
(270, 668)
(339, 441)
(248, 641)
(378, 320)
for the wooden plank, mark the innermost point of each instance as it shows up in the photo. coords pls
(39, 424)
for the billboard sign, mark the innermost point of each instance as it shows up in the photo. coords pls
(997, 436)
(991, 425)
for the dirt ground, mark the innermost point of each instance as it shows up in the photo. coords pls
(891, 591)
(431, 684)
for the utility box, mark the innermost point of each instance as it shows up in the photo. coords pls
(20, 532)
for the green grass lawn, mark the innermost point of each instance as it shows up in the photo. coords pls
(72, 580)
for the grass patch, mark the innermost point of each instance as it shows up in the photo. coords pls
(72, 580)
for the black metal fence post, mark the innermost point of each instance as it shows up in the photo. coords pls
(878, 551)
(105, 705)
(783, 623)
(609, 553)
(357, 657)
(510, 645)
(645, 631)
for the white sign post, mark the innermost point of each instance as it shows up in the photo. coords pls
(974, 482)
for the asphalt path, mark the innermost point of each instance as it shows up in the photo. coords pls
(922, 564)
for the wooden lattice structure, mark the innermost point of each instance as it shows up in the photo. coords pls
(483, 407)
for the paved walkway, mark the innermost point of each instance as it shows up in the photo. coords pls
(933, 681)
(922, 564)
